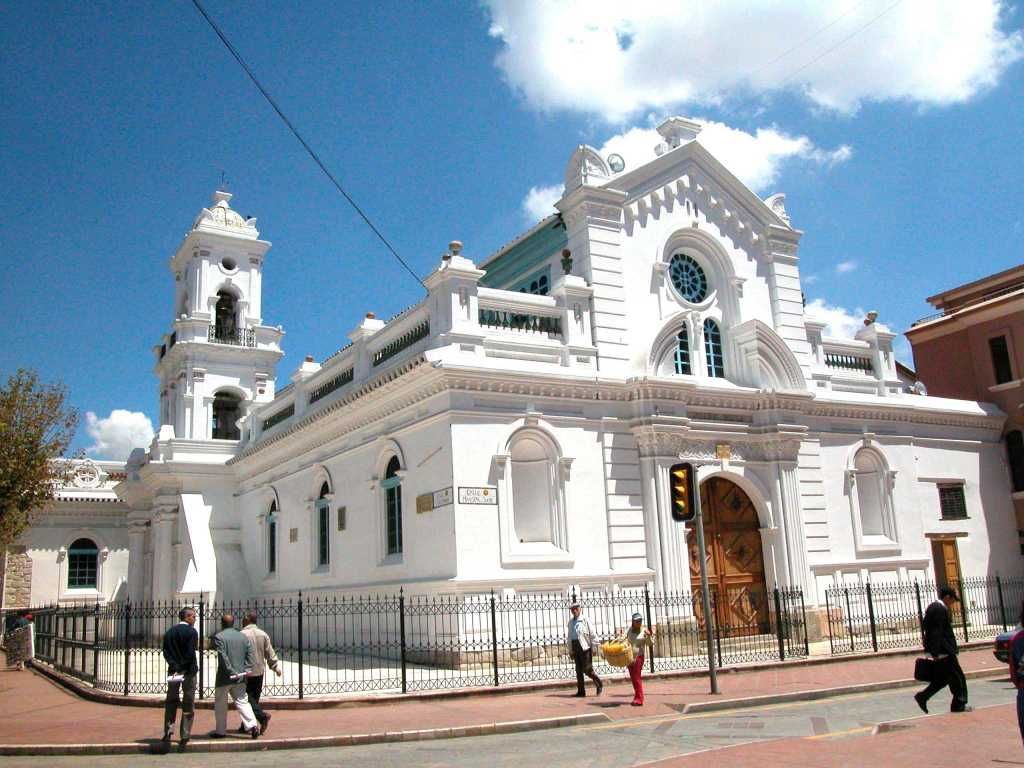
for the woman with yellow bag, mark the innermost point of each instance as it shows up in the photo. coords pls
(636, 638)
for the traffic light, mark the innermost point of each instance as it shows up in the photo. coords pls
(682, 482)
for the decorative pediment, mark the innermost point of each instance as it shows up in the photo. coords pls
(586, 167)
(767, 361)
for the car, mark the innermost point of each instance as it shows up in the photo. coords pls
(1001, 647)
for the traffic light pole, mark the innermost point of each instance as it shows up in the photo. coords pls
(709, 633)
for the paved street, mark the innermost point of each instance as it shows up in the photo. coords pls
(795, 729)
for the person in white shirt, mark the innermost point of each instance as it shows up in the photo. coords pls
(581, 647)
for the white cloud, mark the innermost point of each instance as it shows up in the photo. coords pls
(755, 158)
(540, 202)
(615, 59)
(842, 324)
(115, 436)
(846, 266)
(809, 279)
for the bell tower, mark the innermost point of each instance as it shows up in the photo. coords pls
(218, 358)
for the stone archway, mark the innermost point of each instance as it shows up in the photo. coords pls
(734, 556)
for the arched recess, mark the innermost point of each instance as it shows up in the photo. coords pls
(270, 517)
(661, 360)
(227, 312)
(532, 475)
(321, 475)
(227, 408)
(869, 488)
(80, 567)
(391, 468)
(765, 360)
(717, 264)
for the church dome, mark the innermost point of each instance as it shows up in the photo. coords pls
(220, 215)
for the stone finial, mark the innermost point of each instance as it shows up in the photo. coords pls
(566, 261)
(870, 317)
(309, 359)
(370, 316)
(678, 130)
(455, 247)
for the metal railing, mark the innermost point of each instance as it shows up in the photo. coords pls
(849, 362)
(876, 616)
(323, 390)
(519, 321)
(276, 418)
(239, 337)
(419, 331)
(419, 643)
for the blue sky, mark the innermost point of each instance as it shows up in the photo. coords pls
(894, 129)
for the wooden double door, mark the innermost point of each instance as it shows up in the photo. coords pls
(733, 553)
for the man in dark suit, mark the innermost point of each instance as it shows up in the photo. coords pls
(940, 643)
(180, 644)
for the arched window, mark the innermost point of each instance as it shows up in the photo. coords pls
(713, 349)
(1015, 455)
(393, 508)
(82, 559)
(272, 538)
(225, 317)
(226, 413)
(323, 527)
(681, 356)
(533, 491)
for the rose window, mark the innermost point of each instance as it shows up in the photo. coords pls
(688, 278)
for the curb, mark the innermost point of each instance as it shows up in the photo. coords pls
(85, 691)
(821, 693)
(308, 742)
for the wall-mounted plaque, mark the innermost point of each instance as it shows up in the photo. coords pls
(444, 497)
(341, 518)
(424, 503)
(478, 495)
(293, 535)
(723, 451)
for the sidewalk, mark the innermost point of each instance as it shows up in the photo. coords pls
(36, 711)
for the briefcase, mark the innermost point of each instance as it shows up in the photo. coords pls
(924, 669)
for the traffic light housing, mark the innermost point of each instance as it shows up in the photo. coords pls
(682, 484)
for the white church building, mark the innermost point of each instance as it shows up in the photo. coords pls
(515, 428)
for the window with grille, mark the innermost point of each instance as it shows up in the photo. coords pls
(1000, 359)
(952, 503)
(82, 557)
(713, 349)
(681, 357)
(1015, 455)
(393, 508)
(272, 538)
(323, 527)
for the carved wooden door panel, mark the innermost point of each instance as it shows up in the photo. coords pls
(733, 552)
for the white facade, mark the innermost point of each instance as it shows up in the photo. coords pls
(676, 332)
(76, 548)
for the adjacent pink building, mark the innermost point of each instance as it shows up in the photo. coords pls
(973, 349)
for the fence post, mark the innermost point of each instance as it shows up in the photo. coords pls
(647, 607)
(96, 645)
(401, 635)
(828, 618)
(127, 640)
(300, 643)
(202, 640)
(778, 625)
(920, 613)
(803, 613)
(963, 610)
(871, 619)
(849, 618)
(494, 641)
(1002, 607)
(717, 625)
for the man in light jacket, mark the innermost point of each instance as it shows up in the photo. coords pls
(263, 656)
(581, 646)
(234, 659)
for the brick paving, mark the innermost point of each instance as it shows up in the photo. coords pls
(925, 742)
(34, 710)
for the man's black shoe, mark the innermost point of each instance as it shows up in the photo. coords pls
(600, 687)
(215, 735)
(255, 731)
(580, 694)
(921, 702)
(264, 723)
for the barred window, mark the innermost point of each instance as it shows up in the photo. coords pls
(82, 557)
(713, 349)
(393, 507)
(323, 527)
(681, 357)
(952, 502)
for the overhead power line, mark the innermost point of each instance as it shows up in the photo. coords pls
(312, 153)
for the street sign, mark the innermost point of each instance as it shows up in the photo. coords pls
(478, 495)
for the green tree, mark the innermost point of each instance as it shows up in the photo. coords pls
(36, 428)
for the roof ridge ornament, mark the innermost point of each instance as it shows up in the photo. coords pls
(679, 130)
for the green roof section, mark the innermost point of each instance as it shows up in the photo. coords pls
(525, 256)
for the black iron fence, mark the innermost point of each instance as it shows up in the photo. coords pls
(414, 643)
(871, 617)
